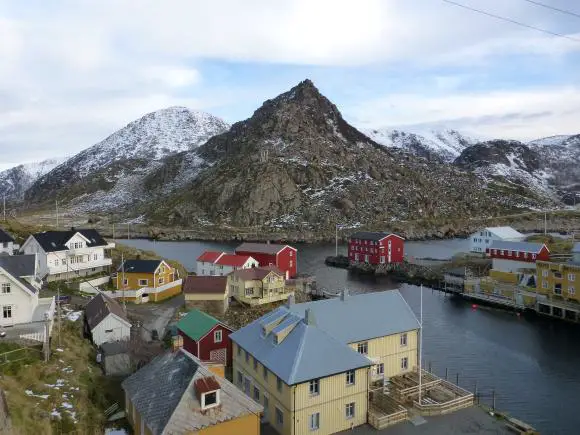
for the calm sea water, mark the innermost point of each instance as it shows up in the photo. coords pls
(532, 364)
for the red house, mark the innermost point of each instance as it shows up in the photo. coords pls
(515, 256)
(282, 256)
(376, 248)
(206, 337)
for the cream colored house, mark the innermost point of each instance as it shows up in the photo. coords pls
(257, 286)
(310, 365)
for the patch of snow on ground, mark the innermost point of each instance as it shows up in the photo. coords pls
(58, 349)
(115, 432)
(67, 405)
(32, 394)
(74, 316)
(56, 414)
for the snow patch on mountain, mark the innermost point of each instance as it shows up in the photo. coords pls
(15, 181)
(445, 144)
(549, 141)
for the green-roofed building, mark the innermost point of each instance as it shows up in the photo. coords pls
(206, 337)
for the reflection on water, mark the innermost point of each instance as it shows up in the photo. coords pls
(531, 363)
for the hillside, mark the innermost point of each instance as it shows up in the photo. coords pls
(109, 174)
(14, 182)
(297, 163)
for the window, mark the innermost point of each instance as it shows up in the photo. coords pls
(210, 399)
(63, 261)
(279, 384)
(544, 284)
(249, 291)
(350, 410)
(5, 288)
(239, 351)
(279, 417)
(255, 364)
(314, 387)
(380, 369)
(363, 347)
(143, 282)
(217, 336)
(247, 356)
(265, 372)
(557, 275)
(240, 378)
(558, 289)
(571, 277)
(350, 377)
(404, 363)
(291, 253)
(533, 256)
(290, 264)
(95, 257)
(125, 281)
(404, 339)
(108, 331)
(256, 394)
(7, 311)
(266, 407)
(161, 280)
(56, 262)
(315, 421)
(502, 252)
(545, 273)
(571, 291)
(494, 251)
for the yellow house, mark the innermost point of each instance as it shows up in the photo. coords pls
(310, 365)
(176, 394)
(147, 280)
(259, 285)
(558, 280)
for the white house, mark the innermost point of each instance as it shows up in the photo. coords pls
(19, 288)
(212, 263)
(69, 254)
(105, 321)
(481, 240)
(7, 245)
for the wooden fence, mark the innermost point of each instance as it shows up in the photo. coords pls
(430, 407)
(385, 411)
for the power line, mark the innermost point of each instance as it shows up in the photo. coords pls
(509, 20)
(564, 11)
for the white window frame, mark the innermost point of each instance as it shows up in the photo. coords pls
(571, 277)
(403, 339)
(161, 280)
(218, 336)
(7, 309)
(314, 387)
(350, 410)
(544, 284)
(350, 377)
(314, 421)
(405, 363)
(141, 281)
(256, 394)
(6, 289)
(545, 273)
(213, 405)
(571, 291)
(380, 369)
(363, 347)
(279, 417)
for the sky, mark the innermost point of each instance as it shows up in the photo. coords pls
(74, 71)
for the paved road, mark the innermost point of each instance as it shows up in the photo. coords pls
(155, 316)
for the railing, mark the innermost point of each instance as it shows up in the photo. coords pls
(434, 408)
(379, 420)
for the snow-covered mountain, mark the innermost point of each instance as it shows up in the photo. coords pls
(15, 181)
(444, 145)
(110, 173)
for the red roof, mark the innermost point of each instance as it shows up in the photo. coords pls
(205, 284)
(233, 260)
(210, 256)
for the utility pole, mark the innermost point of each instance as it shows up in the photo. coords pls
(336, 238)
(46, 337)
(545, 223)
(58, 310)
(113, 231)
(123, 282)
(421, 345)
(4, 201)
(128, 230)
(56, 205)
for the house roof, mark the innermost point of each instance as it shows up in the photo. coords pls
(370, 315)
(163, 393)
(210, 256)
(533, 248)
(307, 352)
(5, 237)
(262, 248)
(52, 241)
(256, 272)
(506, 233)
(576, 247)
(233, 260)
(100, 307)
(20, 266)
(140, 266)
(196, 324)
(367, 235)
(205, 284)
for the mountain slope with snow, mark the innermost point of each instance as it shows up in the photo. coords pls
(113, 169)
(444, 145)
(14, 182)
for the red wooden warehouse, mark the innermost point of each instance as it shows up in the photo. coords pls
(206, 337)
(282, 256)
(376, 248)
(518, 251)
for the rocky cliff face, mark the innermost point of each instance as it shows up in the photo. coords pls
(297, 163)
(14, 182)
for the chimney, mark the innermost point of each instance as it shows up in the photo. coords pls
(291, 300)
(344, 294)
(309, 317)
(73, 229)
(176, 343)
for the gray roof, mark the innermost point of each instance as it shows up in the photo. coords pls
(20, 266)
(306, 353)
(115, 347)
(140, 266)
(5, 237)
(52, 241)
(163, 392)
(362, 317)
(506, 233)
(576, 247)
(533, 248)
(100, 307)
(263, 248)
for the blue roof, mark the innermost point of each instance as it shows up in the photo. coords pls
(576, 248)
(319, 347)
(362, 317)
(533, 248)
(305, 353)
